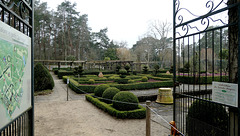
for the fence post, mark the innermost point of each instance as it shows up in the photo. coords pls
(148, 118)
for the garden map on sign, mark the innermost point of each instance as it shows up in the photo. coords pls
(13, 61)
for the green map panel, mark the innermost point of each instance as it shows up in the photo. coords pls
(13, 61)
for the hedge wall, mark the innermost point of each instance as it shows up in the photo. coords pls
(122, 87)
(143, 85)
(134, 114)
(62, 73)
(201, 80)
(86, 72)
(76, 87)
(164, 75)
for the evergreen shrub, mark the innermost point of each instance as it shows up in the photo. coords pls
(125, 101)
(118, 67)
(109, 93)
(122, 80)
(139, 113)
(91, 81)
(131, 81)
(156, 68)
(145, 70)
(98, 91)
(206, 119)
(42, 78)
(123, 73)
(62, 73)
(144, 79)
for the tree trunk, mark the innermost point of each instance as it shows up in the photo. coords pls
(233, 61)
(233, 42)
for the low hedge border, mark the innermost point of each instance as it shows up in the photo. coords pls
(164, 75)
(134, 114)
(62, 73)
(76, 87)
(142, 85)
(201, 80)
(87, 78)
(123, 87)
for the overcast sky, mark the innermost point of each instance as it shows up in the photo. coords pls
(126, 20)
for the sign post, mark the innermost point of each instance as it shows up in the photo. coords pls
(67, 88)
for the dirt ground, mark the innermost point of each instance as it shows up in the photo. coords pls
(54, 116)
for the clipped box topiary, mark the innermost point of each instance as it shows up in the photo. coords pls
(122, 73)
(91, 81)
(144, 79)
(42, 78)
(98, 91)
(125, 101)
(109, 93)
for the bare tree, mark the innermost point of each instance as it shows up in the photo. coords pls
(160, 30)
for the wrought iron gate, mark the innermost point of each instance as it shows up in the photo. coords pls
(19, 15)
(206, 46)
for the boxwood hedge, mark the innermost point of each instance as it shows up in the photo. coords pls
(133, 114)
(200, 80)
(75, 86)
(62, 73)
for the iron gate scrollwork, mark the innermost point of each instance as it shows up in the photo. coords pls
(19, 15)
(205, 50)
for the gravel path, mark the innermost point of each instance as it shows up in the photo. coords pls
(54, 116)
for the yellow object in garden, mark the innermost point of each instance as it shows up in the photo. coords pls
(165, 96)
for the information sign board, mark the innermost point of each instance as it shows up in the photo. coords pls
(15, 73)
(225, 93)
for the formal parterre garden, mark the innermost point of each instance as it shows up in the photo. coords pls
(108, 90)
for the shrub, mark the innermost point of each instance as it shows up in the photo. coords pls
(127, 68)
(79, 70)
(91, 81)
(186, 67)
(171, 69)
(164, 75)
(145, 69)
(200, 80)
(62, 73)
(139, 113)
(122, 71)
(144, 79)
(122, 80)
(118, 67)
(131, 81)
(107, 59)
(98, 91)
(143, 85)
(42, 78)
(109, 93)
(156, 68)
(125, 101)
(206, 118)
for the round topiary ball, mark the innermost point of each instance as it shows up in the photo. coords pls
(91, 81)
(98, 91)
(125, 101)
(144, 79)
(109, 93)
